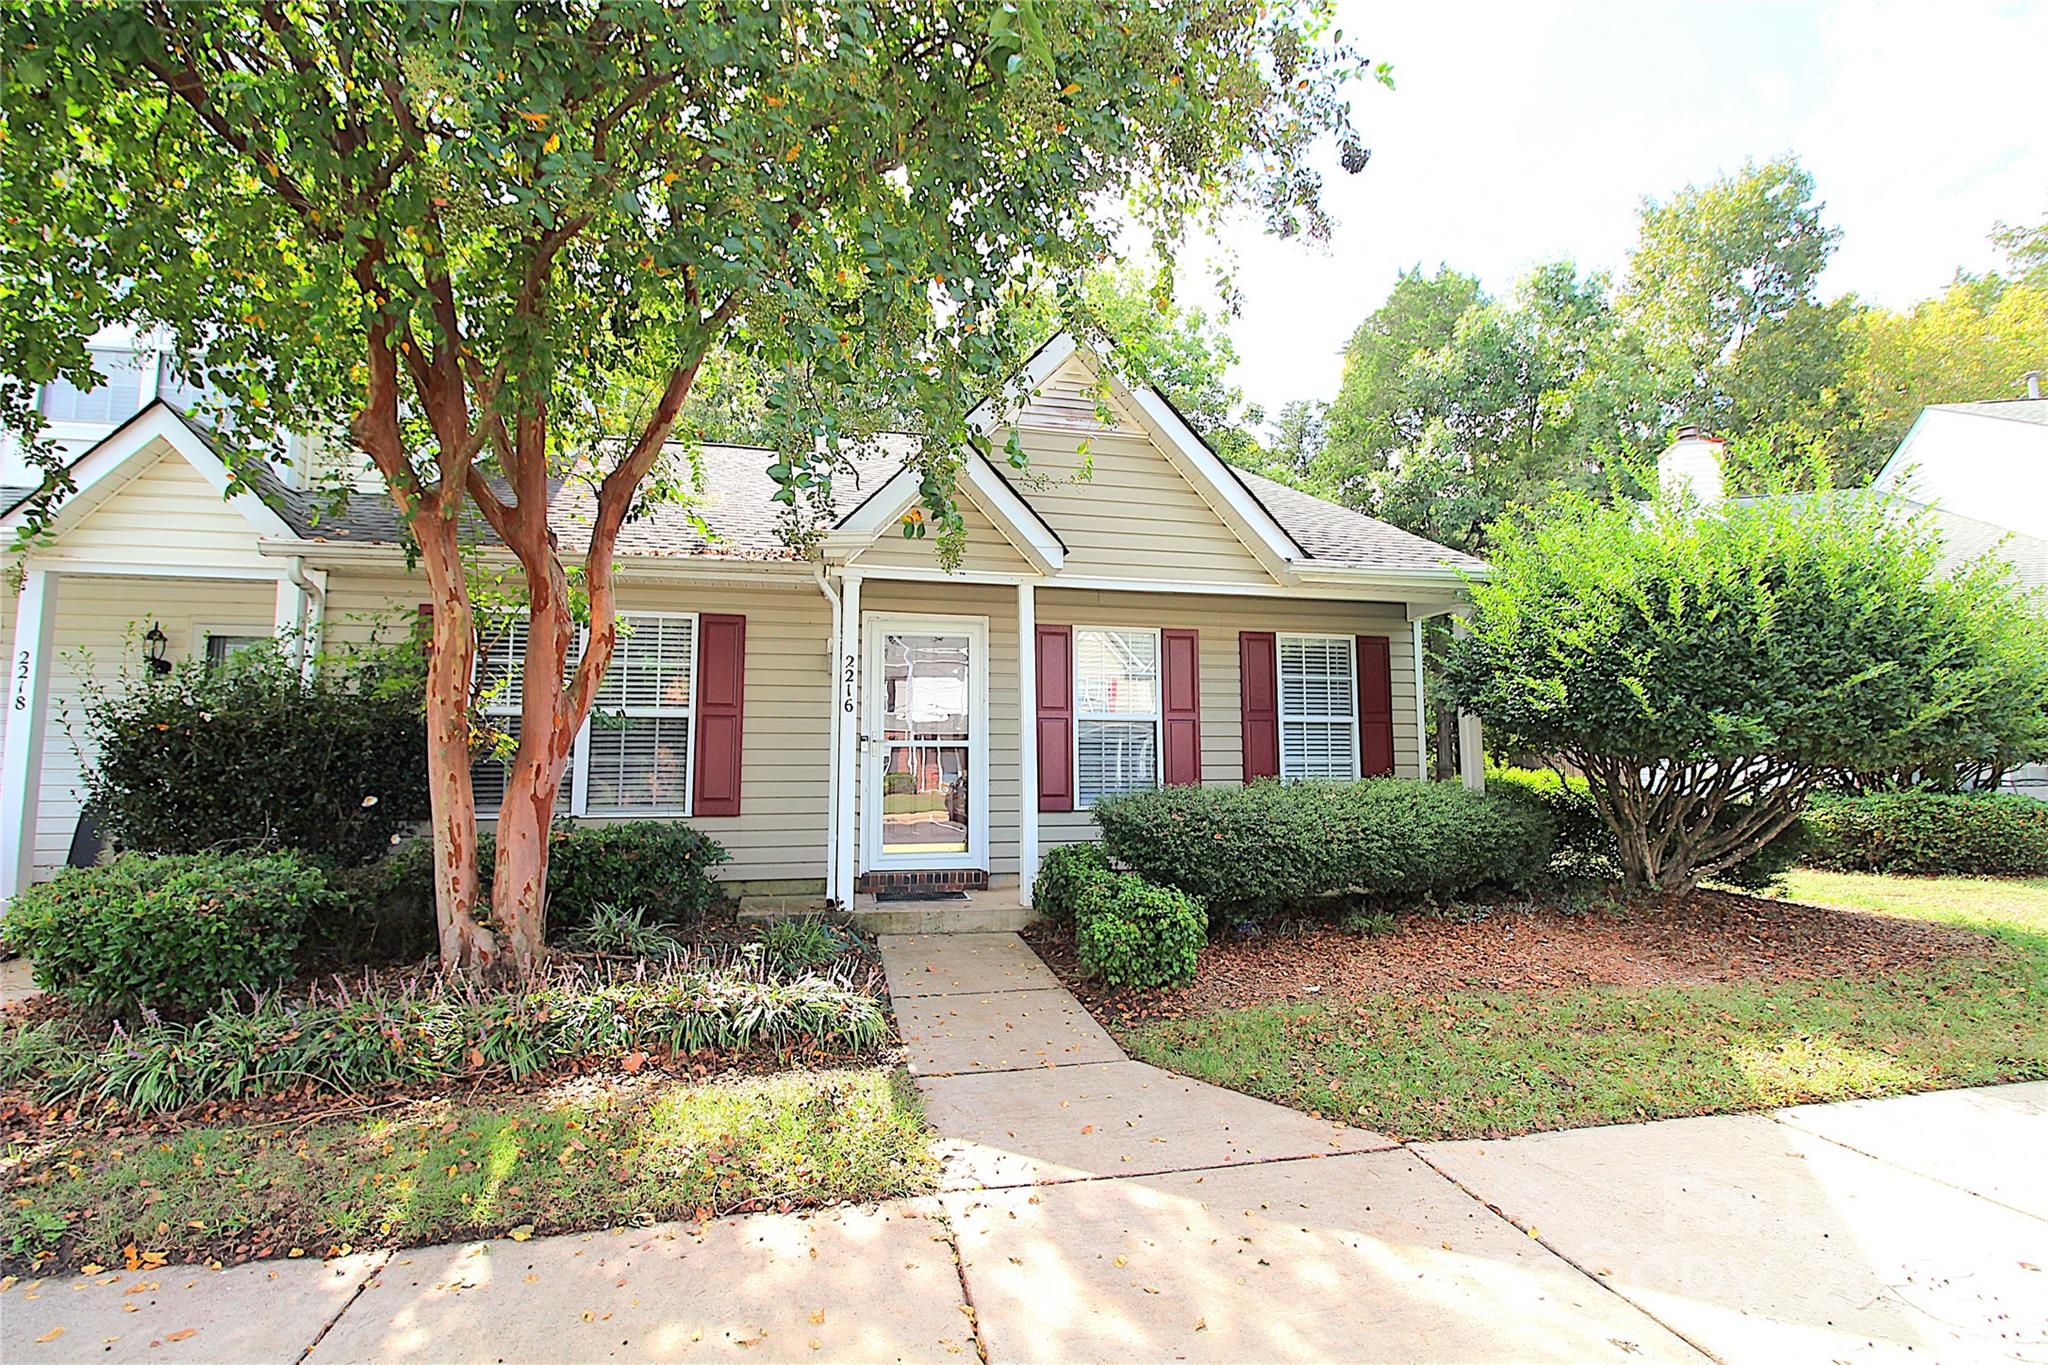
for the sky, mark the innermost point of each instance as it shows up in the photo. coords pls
(1518, 133)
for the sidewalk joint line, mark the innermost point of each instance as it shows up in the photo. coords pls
(1100, 1177)
(1545, 1243)
(1011, 1070)
(1777, 1116)
(989, 990)
(383, 1260)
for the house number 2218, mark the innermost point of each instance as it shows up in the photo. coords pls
(21, 673)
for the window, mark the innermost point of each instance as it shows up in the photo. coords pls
(223, 646)
(115, 399)
(637, 749)
(1318, 708)
(633, 754)
(1116, 712)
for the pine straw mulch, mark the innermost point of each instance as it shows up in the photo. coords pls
(1710, 936)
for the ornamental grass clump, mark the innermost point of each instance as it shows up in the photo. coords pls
(433, 1029)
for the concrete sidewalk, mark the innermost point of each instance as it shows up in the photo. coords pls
(1094, 1208)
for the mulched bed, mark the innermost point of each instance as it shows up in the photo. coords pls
(1706, 937)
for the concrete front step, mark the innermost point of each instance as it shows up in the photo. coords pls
(994, 911)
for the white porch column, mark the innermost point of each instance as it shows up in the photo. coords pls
(846, 696)
(21, 770)
(1471, 742)
(1422, 735)
(1027, 739)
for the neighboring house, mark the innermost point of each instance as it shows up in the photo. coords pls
(1977, 471)
(860, 721)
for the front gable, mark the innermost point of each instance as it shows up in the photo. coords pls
(1129, 488)
(153, 493)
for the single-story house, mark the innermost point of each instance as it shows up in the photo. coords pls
(856, 721)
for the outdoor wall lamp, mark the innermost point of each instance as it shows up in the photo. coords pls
(155, 643)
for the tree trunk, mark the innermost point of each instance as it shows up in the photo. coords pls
(466, 945)
(547, 739)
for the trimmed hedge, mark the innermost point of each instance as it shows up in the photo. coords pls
(1257, 851)
(441, 1030)
(657, 867)
(1132, 933)
(1586, 847)
(169, 933)
(1924, 832)
(1063, 875)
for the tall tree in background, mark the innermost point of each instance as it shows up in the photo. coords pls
(1373, 413)
(1976, 340)
(496, 243)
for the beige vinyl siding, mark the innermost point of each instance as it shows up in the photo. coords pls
(780, 831)
(1134, 515)
(100, 620)
(999, 605)
(987, 549)
(1218, 621)
(165, 514)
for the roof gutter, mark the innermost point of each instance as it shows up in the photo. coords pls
(383, 555)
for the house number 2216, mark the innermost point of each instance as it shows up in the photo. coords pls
(846, 686)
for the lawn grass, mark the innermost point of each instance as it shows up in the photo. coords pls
(1489, 1063)
(590, 1156)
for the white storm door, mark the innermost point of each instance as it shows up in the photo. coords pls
(924, 743)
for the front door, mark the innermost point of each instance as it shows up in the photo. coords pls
(924, 744)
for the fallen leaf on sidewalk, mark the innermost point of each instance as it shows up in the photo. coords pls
(51, 1335)
(181, 1334)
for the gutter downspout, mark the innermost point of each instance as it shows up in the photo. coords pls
(296, 574)
(832, 776)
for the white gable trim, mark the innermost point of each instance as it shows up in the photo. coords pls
(131, 448)
(980, 484)
(1234, 504)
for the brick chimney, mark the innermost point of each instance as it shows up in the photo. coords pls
(1692, 463)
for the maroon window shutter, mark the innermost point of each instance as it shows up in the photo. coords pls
(721, 710)
(1055, 717)
(1375, 707)
(1181, 708)
(1258, 664)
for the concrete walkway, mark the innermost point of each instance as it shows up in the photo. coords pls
(1093, 1208)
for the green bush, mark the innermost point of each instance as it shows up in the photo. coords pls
(1929, 832)
(1132, 933)
(795, 946)
(1262, 850)
(658, 868)
(1705, 669)
(437, 1030)
(1585, 847)
(1063, 874)
(169, 933)
(256, 755)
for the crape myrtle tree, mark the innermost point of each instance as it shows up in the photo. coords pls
(1708, 669)
(494, 243)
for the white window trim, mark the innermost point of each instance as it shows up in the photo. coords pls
(1158, 716)
(204, 632)
(578, 773)
(1350, 653)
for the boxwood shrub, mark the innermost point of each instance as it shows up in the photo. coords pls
(1929, 832)
(1063, 874)
(169, 933)
(1260, 850)
(1129, 932)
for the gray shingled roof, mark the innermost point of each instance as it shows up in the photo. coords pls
(737, 505)
(1337, 535)
(1964, 539)
(2030, 410)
